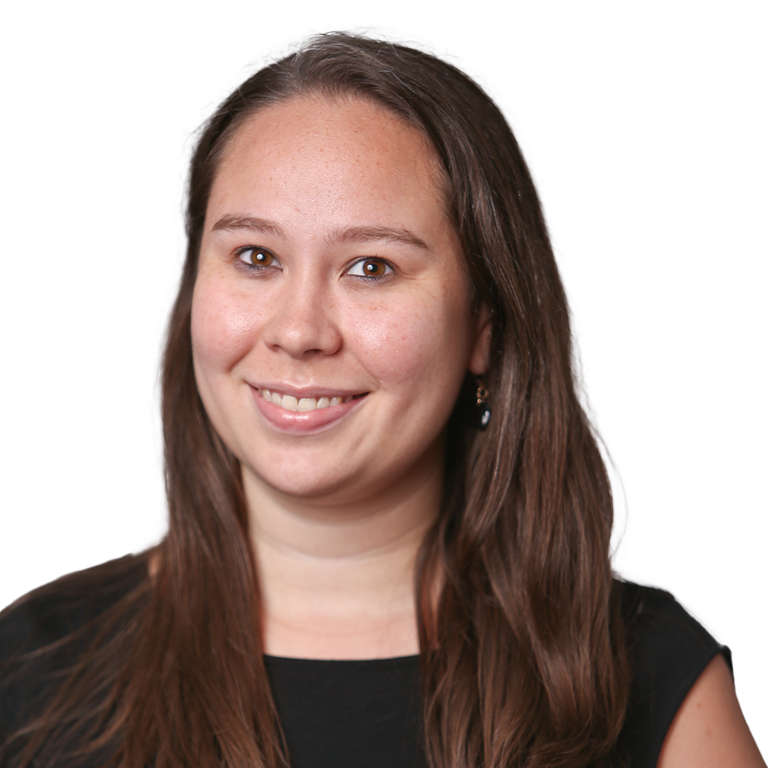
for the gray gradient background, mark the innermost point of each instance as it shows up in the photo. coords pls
(644, 127)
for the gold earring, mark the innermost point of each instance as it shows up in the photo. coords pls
(482, 410)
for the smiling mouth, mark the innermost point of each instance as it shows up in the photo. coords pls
(305, 404)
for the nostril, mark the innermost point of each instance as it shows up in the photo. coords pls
(302, 322)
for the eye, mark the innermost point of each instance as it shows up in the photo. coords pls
(253, 256)
(370, 268)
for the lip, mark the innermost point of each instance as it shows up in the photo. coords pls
(306, 391)
(307, 422)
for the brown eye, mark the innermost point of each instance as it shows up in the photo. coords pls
(370, 268)
(257, 257)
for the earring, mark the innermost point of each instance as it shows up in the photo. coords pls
(482, 409)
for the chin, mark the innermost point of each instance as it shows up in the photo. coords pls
(294, 482)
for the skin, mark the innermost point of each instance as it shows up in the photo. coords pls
(709, 730)
(338, 514)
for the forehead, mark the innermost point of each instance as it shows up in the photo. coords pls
(327, 145)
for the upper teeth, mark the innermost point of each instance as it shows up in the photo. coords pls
(291, 403)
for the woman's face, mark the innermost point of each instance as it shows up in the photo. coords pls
(332, 323)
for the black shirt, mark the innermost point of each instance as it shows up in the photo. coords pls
(359, 713)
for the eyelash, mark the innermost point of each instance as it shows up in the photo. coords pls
(250, 267)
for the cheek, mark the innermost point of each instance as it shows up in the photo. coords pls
(222, 327)
(401, 341)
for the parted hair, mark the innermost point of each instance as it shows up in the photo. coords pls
(522, 650)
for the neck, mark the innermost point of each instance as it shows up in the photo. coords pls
(337, 577)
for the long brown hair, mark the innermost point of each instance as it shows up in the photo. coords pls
(523, 660)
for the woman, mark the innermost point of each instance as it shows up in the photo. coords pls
(389, 519)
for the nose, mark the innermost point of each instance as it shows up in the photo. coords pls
(303, 323)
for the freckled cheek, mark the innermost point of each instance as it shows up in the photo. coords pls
(223, 326)
(402, 346)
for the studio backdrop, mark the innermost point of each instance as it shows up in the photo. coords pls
(644, 127)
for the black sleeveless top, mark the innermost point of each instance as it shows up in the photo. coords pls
(352, 713)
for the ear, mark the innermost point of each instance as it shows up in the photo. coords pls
(480, 359)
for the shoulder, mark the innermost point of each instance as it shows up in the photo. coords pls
(44, 633)
(57, 610)
(668, 647)
(668, 651)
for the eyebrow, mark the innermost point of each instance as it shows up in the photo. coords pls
(230, 222)
(361, 234)
(364, 234)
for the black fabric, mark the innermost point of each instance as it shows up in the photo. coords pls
(33, 658)
(669, 650)
(343, 713)
(349, 713)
